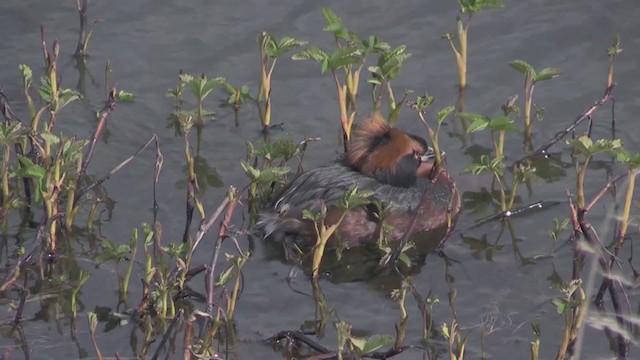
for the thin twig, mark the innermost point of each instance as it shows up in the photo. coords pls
(222, 233)
(102, 122)
(26, 258)
(83, 6)
(579, 119)
(154, 137)
(165, 337)
(603, 191)
(303, 338)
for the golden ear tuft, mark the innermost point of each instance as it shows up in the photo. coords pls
(364, 138)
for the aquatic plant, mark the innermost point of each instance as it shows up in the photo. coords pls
(421, 104)
(531, 77)
(270, 50)
(352, 198)
(498, 128)
(46, 173)
(388, 68)
(467, 9)
(85, 33)
(237, 96)
(349, 59)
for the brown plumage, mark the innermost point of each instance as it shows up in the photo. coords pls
(376, 146)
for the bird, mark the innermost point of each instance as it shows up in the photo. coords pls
(395, 167)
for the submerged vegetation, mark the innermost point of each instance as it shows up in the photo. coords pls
(50, 195)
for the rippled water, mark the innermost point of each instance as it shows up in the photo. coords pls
(148, 42)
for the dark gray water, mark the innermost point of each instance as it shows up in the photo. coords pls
(148, 42)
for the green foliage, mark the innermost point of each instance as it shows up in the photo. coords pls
(236, 95)
(274, 48)
(486, 165)
(59, 100)
(27, 75)
(283, 148)
(615, 49)
(315, 216)
(528, 70)
(389, 65)
(585, 147)
(336, 26)
(354, 197)
(339, 58)
(201, 86)
(124, 96)
(474, 6)
(10, 133)
(422, 103)
(267, 175)
(567, 303)
(625, 157)
(33, 171)
(480, 122)
(443, 113)
(111, 252)
(558, 228)
(372, 343)
(176, 250)
(373, 44)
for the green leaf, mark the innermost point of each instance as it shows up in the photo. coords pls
(334, 24)
(502, 123)
(313, 53)
(561, 305)
(486, 165)
(65, 97)
(342, 57)
(373, 44)
(50, 138)
(202, 86)
(479, 122)
(625, 157)
(276, 48)
(373, 343)
(442, 114)
(251, 171)
(45, 89)
(390, 62)
(185, 78)
(314, 216)
(123, 249)
(354, 197)
(586, 147)
(224, 277)
(615, 49)
(124, 96)
(523, 67)
(477, 125)
(27, 75)
(10, 132)
(547, 74)
(474, 6)
(581, 144)
(29, 169)
(73, 149)
(445, 331)
(473, 116)
(273, 174)
(423, 102)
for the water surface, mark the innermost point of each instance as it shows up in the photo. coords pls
(149, 42)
